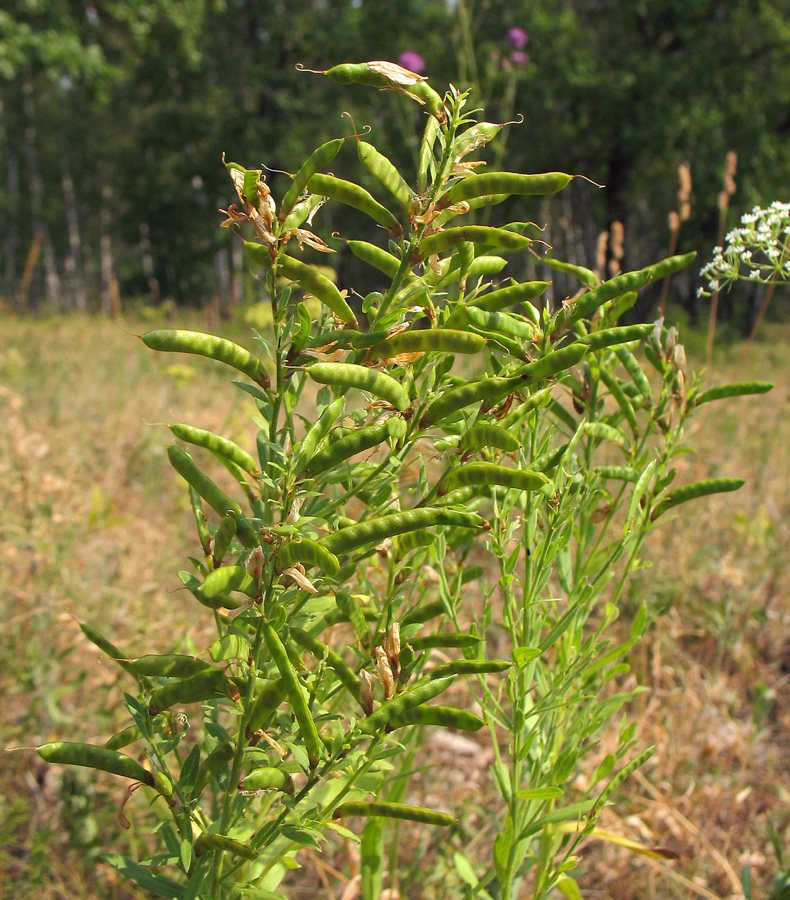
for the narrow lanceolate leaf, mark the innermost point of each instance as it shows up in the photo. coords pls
(394, 811)
(738, 389)
(694, 490)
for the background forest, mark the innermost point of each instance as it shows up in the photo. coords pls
(115, 116)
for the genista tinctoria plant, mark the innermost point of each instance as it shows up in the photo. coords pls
(450, 418)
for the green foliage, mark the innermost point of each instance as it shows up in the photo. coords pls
(313, 701)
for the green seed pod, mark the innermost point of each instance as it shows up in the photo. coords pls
(489, 473)
(217, 499)
(76, 754)
(458, 640)
(626, 407)
(633, 368)
(220, 601)
(375, 256)
(319, 158)
(414, 540)
(586, 276)
(694, 490)
(586, 305)
(485, 265)
(109, 648)
(295, 693)
(505, 183)
(208, 842)
(477, 234)
(210, 346)
(358, 441)
(480, 436)
(224, 537)
(501, 323)
(316, 284)
(553, 363)
(310, 553)
(304, 451)
(211, 766)
(639, 490)
(335, 661)
(428, 340)
(489, 389)
(421, 614)
(737, 389)
(419, 693)
(173, 665)
(381, 168)
(229, 578)
(204, 685)
(620, 335)
(216, 444)
(474, 137)
(204, 535)
(363, 379)
(357, 197)
(374, 531)
(604, 432)
(124, 738)
(302, 333)
(394, 811)
(470, 667)
(266, 702)
(427, 161)
(267, 778)
(445, 716)
(387, 75)
(617, 473)
(670, 265)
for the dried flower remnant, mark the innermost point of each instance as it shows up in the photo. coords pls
(384, 672)
(758, 251)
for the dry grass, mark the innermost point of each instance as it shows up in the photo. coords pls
(95, 527)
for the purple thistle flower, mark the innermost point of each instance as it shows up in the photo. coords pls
(517, 38)
(412, 61)
(519, 59)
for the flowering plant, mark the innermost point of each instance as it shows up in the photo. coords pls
(760, 245)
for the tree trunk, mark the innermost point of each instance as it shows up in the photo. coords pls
(37, 192)
(10, 219)
(109, 287)
(147, 254)
(74, 272)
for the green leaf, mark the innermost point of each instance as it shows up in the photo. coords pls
(542, 793)
(465, 870)
(372, 858)
(569, 887)
(303, 836)
(523, 655)
(147, 880)
(502, 845)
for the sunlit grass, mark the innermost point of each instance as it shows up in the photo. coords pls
(95, 527)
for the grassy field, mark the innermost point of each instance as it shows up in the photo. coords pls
(95, 527)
